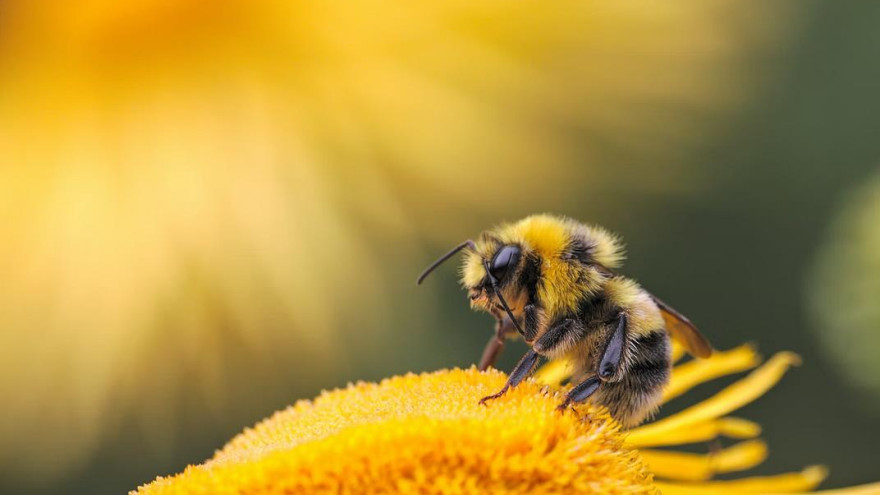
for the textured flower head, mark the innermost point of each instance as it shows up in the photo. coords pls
(411, 432)
(427, 434)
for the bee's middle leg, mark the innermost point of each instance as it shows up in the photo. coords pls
(608, 366)
(523, 368)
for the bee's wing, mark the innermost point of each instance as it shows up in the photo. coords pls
(682, 330)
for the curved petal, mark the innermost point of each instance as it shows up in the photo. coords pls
(729, 399)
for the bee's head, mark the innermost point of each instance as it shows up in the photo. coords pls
(543, 259)
(496, 269)
(491, 274)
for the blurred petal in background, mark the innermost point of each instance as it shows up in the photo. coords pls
(212, 209)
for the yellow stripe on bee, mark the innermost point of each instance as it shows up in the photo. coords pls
(560, 292)
(548, 237)
(644, 317)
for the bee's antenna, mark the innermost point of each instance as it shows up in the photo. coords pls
(468, 243)
(501, 299)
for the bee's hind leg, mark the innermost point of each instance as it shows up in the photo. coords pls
(523, 368)
(581, 392)
(613, 353)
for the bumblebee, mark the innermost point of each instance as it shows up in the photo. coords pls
(552, 281)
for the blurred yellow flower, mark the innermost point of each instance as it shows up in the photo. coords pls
(427, 434)
(187, 187)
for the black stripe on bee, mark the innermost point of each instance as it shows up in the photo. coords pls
(577, 249)
(531, 276)
(597, 310)
(580, 249)
(651, 360)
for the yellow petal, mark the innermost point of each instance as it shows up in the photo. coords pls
(693, 373)
(700, 432)
(803, 481)
(869, 489)
(729, 399)
(699, 467)
(554, 372)
(677, 351)
(738, 428)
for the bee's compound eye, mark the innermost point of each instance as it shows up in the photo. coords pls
(505, 257)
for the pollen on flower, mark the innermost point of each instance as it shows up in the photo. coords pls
(427, 434)
(420, 433)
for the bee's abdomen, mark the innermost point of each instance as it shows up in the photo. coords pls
(638, 393)
(652, 358)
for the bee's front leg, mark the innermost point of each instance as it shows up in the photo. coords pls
(523, 368)
(559, 337)
(504, 329)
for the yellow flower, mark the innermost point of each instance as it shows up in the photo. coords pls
(413, 432)
(427, 434)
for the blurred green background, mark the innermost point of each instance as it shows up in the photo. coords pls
(212, 210)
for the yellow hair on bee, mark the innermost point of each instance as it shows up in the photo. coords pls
(550, 238)
(644, 317)
(607, 248)
(545, 235)
(472, 270)
(550, 235)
